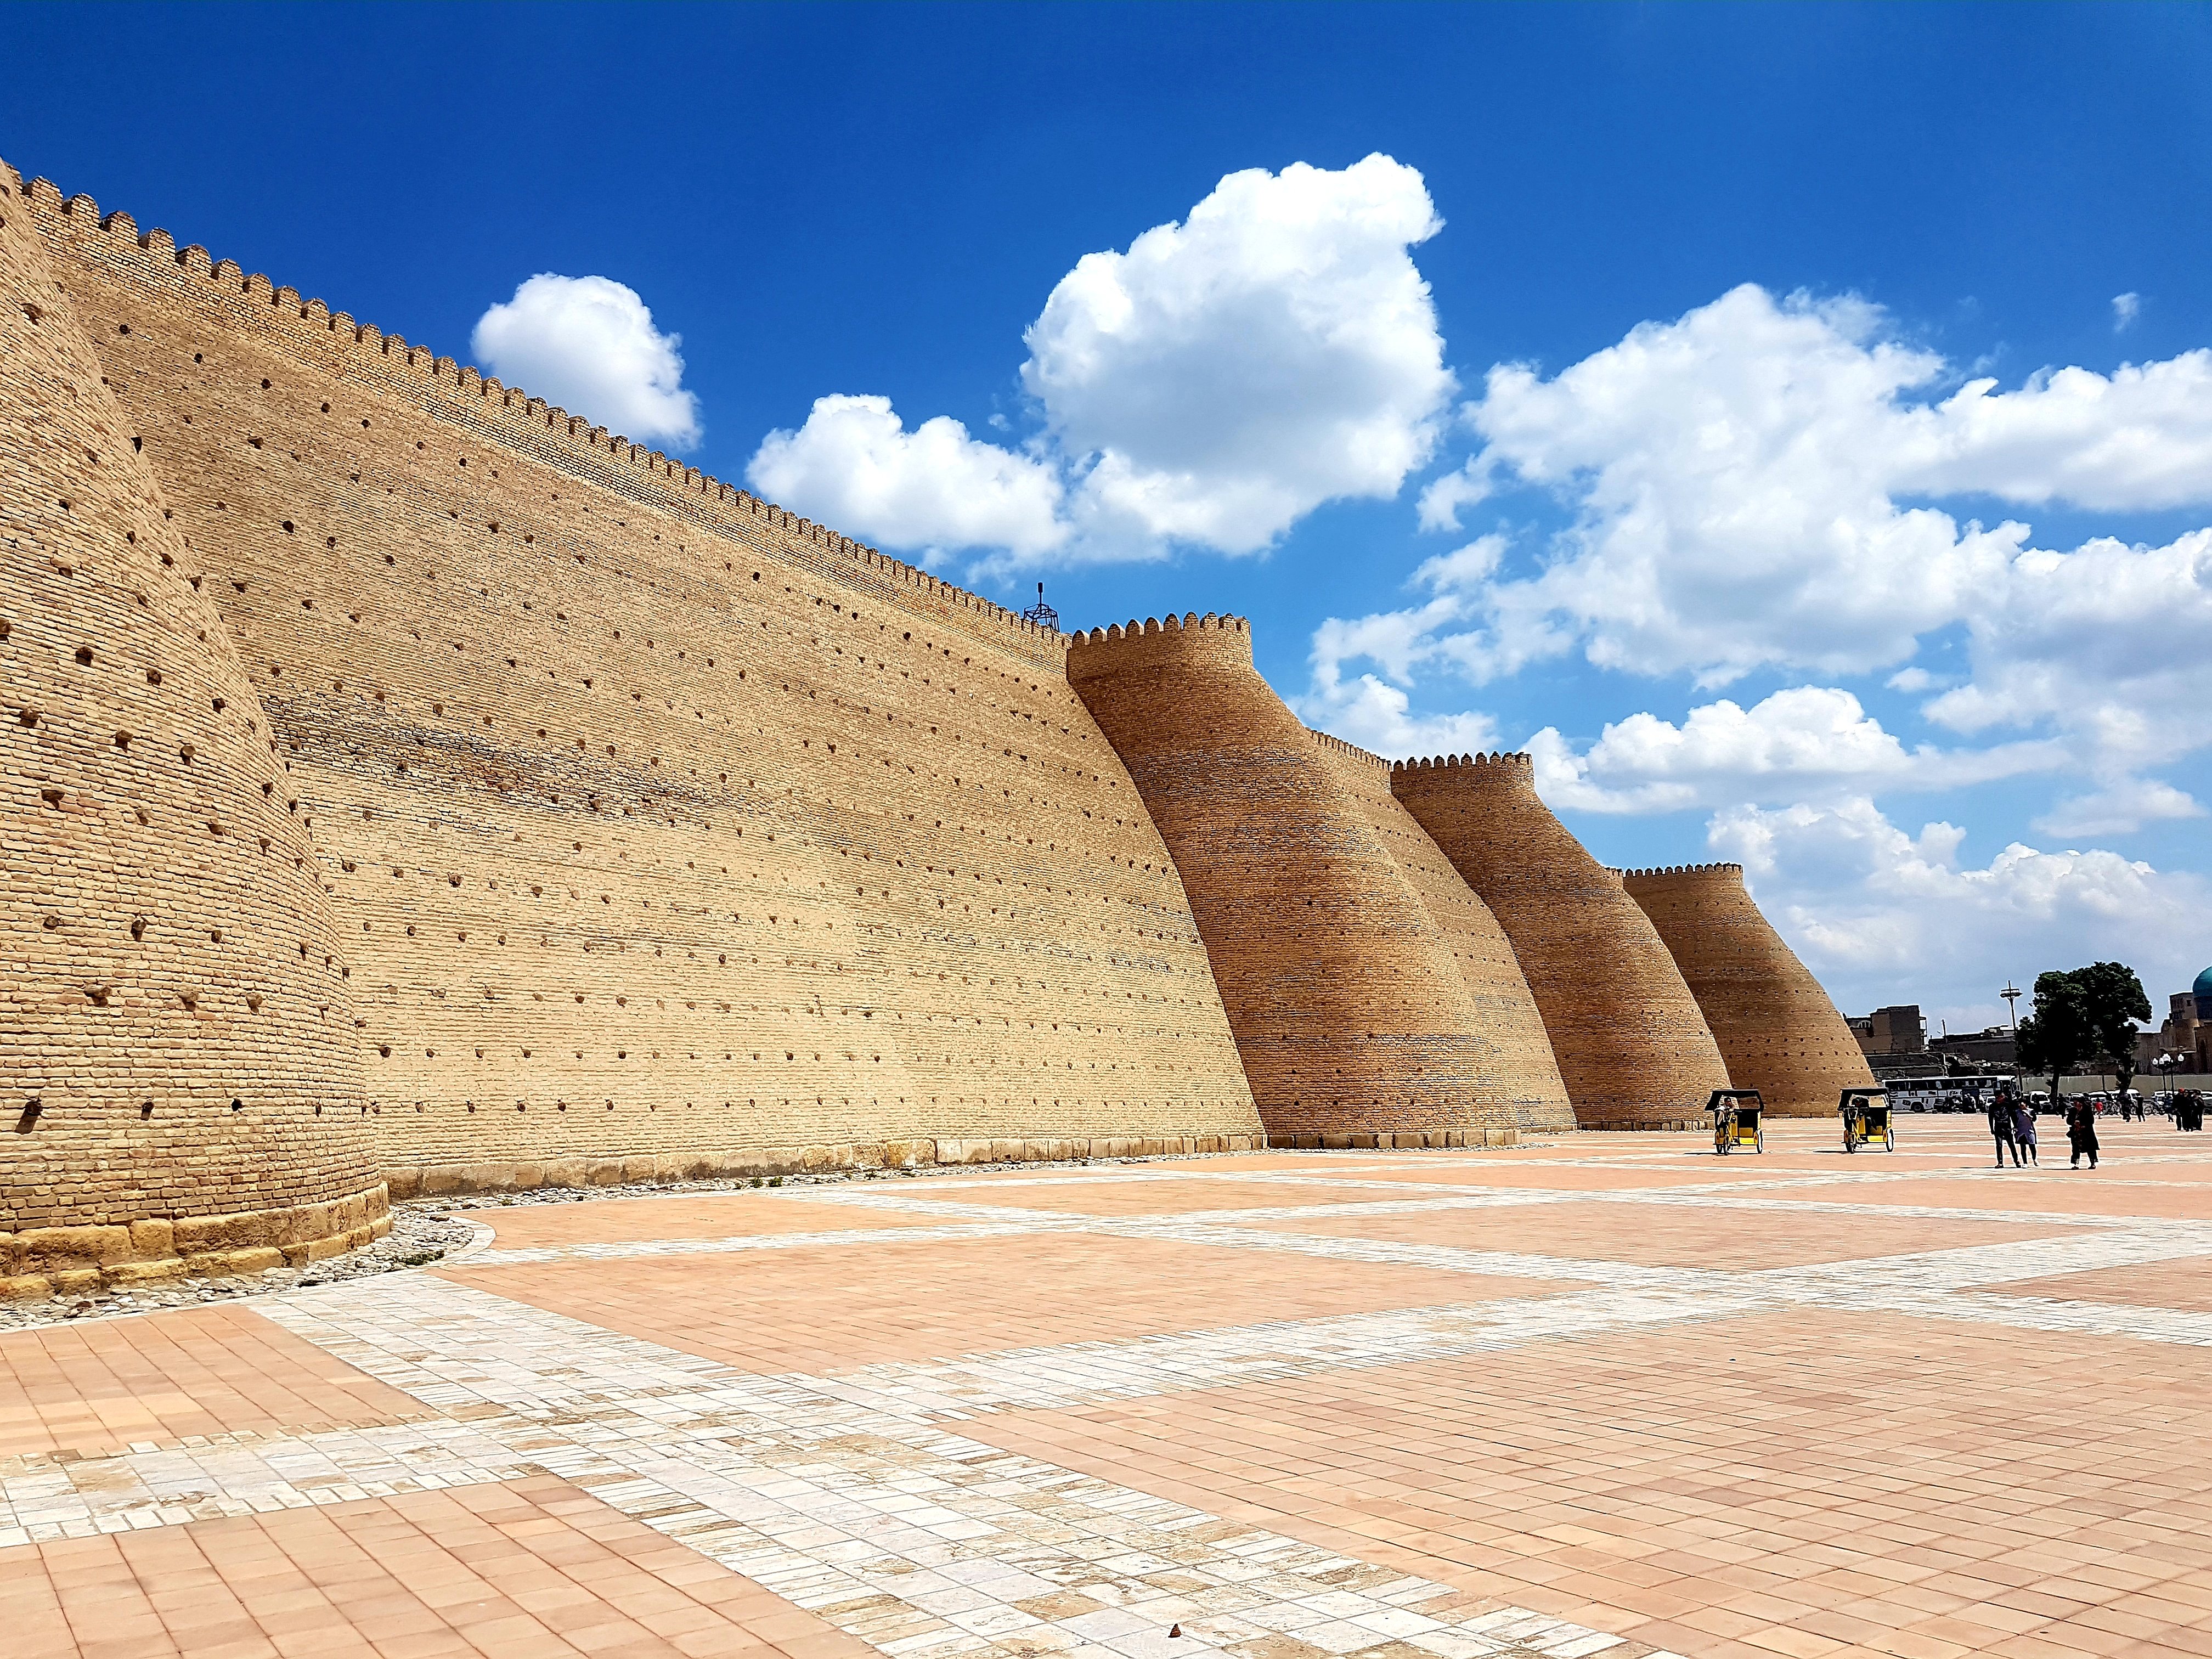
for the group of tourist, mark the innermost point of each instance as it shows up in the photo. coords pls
(2012, 1122)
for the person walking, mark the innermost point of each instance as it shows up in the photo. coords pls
(2082, 1131)
(2001, 1126)
(2023, 1128)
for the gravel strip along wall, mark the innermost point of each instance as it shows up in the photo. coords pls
(1776, 1028)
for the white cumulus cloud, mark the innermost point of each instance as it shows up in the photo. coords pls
(854, 465)
(1748, 485)
(1207, 387)
(1277, 348)
(1807, 732)
(1807, 742)
(1756, 486)
(2126, 307)
(587, 344)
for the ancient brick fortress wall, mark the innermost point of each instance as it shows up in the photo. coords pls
(176, 1036)
(1778, 1029)
(664, 831)
(1631, 1041)
(1364, 984)
(655, 830)
(1503, 1009)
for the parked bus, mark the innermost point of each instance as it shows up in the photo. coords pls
(1943, 1094)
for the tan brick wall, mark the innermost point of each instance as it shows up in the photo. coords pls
(1348, 999)
(1503, 1009)
(664, 830)
(1777, 1028)
(1628, 1036)
(176, 1026)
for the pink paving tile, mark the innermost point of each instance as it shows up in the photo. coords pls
(2184, 1286)
(1136, 1197)
(95, 1388)
(811, 1308)
(2053, 1188)
(1668, 1235)
(1856, 1476)
(535, 1568)
(713, 1215)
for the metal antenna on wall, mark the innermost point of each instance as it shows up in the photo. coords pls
(1040, 613)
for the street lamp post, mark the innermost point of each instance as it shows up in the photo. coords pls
(2011, 995)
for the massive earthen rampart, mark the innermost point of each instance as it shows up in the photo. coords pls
(1631, 1043)
(1503, 1011)
(411, 778)
(1351, 998)
(176, 1031)
(666, 831)
(1777, 1028)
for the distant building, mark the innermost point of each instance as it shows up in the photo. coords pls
(1993, 1045)
(2187, 1032)
(1896, 1031)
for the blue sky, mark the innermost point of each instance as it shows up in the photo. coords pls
(1724, 541)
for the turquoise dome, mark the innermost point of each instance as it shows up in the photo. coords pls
(2204, 986)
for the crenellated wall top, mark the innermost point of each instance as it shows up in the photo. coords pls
(528, 424)
(1512, 769)
(1187, 640)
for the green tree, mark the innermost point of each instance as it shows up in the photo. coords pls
(2056, 1037)
(2112, 1000)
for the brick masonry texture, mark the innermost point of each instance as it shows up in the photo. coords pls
(1776, 1028)
(1357, 1008)
(408, 782)
(1503, 1009)
(1630, 1040)
(177, 1038)
(667, 833)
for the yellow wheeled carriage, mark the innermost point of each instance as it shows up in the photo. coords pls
(1867, 1119)
(1737, 1121)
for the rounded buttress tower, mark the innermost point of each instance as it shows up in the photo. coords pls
(1348, 1004)
(1778, 1029)
(176, 1043)
(1631, 1043)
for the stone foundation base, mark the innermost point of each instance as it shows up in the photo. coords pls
(41, 1262)
(1387, 1140)
(441, 1180)
(1702, 1123)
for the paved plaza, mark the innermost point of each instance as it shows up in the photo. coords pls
(1608, 1394)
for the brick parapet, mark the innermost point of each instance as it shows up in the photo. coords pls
(1631, 1043)
(1777, 1028)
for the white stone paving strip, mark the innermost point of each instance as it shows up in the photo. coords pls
(865, 1510)
(983, 1221)
(852, 1495)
